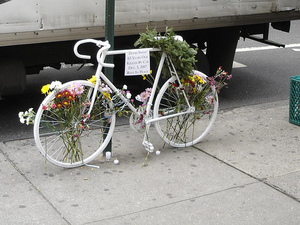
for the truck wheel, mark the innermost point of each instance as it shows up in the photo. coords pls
(221, 46)
(12, 77)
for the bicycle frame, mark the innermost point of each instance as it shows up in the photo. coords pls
(101, 55)
(99, 74)
(73, 134)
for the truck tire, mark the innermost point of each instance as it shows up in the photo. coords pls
(12, 77)
(221, 46)
(202, 63)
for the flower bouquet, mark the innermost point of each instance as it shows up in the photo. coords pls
(66, 128)
(197, 88)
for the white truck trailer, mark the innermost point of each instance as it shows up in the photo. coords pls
(39, 33)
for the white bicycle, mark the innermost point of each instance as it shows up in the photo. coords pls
(75, 131)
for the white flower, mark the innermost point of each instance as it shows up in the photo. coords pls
(22, 120)
(138, 97)
(21, 114)
(55, 84)
(128, 95)
(124, 87)
(27, 117)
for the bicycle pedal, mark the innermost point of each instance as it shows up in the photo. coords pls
(148, 146)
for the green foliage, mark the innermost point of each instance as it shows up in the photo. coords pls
(180, 52)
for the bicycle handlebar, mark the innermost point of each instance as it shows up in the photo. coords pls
(104, 44)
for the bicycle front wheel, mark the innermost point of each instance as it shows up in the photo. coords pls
(64, 132)
(188, 128)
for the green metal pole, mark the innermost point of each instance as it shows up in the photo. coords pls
(109, 35)
(109, 32)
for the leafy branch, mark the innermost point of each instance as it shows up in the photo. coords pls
(180, 52)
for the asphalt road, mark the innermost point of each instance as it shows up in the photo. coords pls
(266, 77)
(262, 74)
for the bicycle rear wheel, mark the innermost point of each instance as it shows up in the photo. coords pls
(186, 129)
(64, 134)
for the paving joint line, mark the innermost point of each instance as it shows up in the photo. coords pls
(263, 180)
(33, 185)
(171, 203)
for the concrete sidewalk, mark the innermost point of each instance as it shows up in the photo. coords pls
(247, 171)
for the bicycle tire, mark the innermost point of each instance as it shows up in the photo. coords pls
(56, 129)
(183, 130)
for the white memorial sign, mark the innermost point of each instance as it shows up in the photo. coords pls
(137, 62)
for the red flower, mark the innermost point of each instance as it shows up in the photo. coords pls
(59, 105)
(65, 102)
(59, 95)
(71, 97)
(66, 92)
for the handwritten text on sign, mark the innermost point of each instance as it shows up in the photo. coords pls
(137, 62)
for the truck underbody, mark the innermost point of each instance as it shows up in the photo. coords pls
(24, 53)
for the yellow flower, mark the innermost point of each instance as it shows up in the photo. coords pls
(183, 82)
(192, 78)
(106, 95)
(45, 89)
(145, 76)
(92, 80)
(200, 80)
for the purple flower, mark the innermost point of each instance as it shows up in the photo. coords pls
(78, 88)
(144, 96)
(229, 77)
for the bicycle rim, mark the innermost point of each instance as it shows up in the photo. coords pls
(187, 129)
(67, 137)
